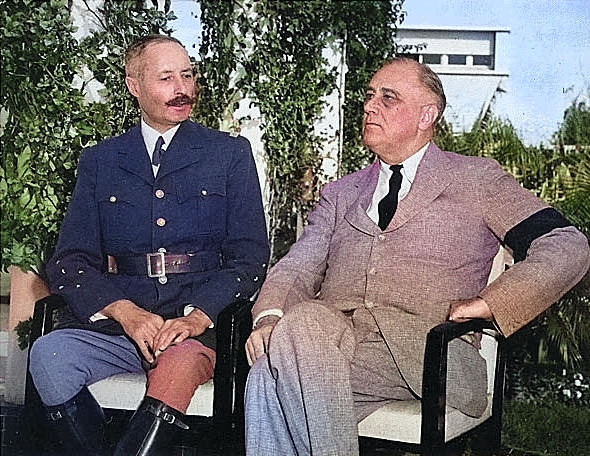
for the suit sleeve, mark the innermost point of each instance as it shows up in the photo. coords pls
(552, 255)
(245, 250)
(297, 277)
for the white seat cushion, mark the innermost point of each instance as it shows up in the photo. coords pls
(126, 391)
(401, 421)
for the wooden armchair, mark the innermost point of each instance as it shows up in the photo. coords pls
(429, 424)
(220, 400)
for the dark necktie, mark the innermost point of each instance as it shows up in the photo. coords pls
(158, 151)
(388, 204)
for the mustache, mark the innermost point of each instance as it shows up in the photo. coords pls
(182, 100)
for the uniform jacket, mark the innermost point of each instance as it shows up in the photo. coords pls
(205, 202)
(438, 248)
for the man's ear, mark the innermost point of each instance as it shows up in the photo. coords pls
(132, 85)
(428, 116)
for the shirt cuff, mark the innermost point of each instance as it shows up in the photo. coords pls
(97, 316)
(265, 313)
(189, 309)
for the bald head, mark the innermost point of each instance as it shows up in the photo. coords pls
(427, 77)
(133, 56)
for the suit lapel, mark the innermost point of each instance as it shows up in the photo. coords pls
(133, 156)
(357, 212)
(184, 148)
(432, 178)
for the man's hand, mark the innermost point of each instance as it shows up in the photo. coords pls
(257, 343)
(469, 309)
(139, 324)
(176, 330)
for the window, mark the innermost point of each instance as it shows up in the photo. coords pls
(484, 60)
(457, 59)
(431, 59)
(415, 57)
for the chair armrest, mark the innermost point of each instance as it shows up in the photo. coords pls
(42, 323)
(434, 380)
(43, 316)
(234, 325)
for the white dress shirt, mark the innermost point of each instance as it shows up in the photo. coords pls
(150, 136)
(410, 166)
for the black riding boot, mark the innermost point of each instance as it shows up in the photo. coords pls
(80, 425)
(154, 430)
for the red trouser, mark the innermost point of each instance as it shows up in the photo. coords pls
(180, 370)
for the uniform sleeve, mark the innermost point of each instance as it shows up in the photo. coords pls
(75, 270)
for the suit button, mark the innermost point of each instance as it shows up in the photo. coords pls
(161, 221)
(113, 199)
(159, 193)
(372, 271)
(381, 237)
(369, 304)
(204, 192)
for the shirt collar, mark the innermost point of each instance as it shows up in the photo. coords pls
(150, 136)
(410, 165)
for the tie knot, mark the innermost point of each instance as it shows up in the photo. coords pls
(396, 168)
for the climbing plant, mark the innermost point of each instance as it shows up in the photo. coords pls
(45, 120)
(274, 53)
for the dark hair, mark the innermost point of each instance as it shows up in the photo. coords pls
(136, 49)
(429, 79)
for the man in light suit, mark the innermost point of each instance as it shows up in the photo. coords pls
(165, 228)
(341, 321)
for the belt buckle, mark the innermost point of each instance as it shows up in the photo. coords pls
(159, 268)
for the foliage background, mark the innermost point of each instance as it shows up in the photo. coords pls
(273, 53)
(45, 121)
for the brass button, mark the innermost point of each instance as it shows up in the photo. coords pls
(113, 199)
(204, 192)
(161, 221)
(160, 193)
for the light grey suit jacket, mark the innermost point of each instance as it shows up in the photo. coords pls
(438, 248)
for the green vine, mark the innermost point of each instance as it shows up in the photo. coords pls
(272, 52)
(45, 120)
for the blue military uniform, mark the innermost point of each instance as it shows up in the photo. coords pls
(204, 204)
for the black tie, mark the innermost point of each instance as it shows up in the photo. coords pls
(388, 204)
(158, 151)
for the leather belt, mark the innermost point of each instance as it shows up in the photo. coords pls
(155, 265)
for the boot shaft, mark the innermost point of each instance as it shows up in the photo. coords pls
(154, 430)
(79, 424)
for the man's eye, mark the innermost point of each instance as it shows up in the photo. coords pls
(388, 100)
(369, 96)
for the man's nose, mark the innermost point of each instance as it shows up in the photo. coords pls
(370, 105)
(181, 86)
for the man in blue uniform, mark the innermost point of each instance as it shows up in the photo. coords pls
(165, 228)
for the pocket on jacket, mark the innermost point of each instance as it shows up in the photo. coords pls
(209, 195)
(119, 215)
